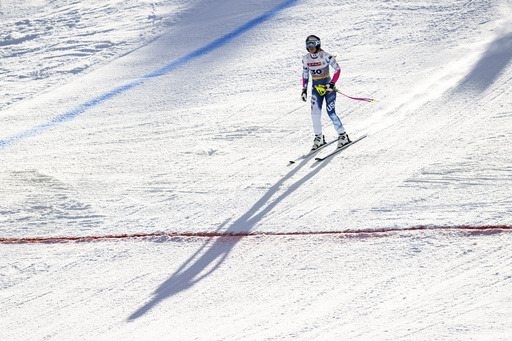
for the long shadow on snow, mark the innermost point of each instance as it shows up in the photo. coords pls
(195, 269)
(488, 68)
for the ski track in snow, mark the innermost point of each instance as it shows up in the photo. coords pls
(206, 233)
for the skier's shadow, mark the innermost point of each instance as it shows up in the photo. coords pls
(211, 255)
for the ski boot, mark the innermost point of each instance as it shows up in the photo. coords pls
(343, 140)
(318, 142)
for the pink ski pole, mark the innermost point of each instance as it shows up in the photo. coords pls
(356, 98)
(321, 90)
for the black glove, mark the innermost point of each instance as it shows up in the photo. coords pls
(304, 95)
(330, 87)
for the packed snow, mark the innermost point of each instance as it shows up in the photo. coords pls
(170, 118)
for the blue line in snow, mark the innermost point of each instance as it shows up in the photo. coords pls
(162, 71)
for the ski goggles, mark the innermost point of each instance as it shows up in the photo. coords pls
(312, 43)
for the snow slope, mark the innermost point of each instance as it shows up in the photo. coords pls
(102, 149)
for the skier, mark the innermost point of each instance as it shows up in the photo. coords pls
(317, 62)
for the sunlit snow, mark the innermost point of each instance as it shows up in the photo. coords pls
(171, 118)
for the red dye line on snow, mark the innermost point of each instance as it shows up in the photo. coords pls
(52, 240)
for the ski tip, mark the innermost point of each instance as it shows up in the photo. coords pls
(291, 162)
(318, 159)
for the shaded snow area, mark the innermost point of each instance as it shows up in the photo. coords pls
(174, 121)
(44, 42)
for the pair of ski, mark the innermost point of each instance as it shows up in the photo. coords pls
(312, 152)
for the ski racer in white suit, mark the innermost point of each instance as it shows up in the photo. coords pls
(317, 62)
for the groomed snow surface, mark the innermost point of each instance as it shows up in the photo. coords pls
(122, 118)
